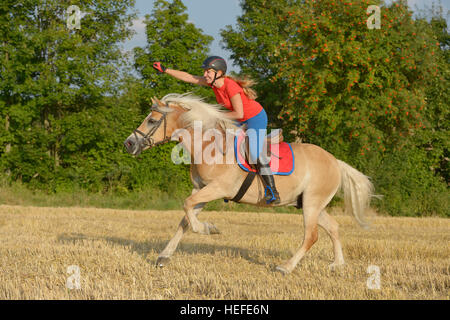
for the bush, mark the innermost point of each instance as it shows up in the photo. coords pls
(410, 187)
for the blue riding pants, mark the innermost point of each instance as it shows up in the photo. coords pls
(256, 131)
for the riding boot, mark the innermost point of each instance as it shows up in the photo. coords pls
(271, 194)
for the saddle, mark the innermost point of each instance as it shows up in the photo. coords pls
(274, 137)
(277, 153)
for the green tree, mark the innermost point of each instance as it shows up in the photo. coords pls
(415, 180)
(435, 138)
(355, 90)
(377, 98)
(49, 73)
(253, 40)
(177, 43)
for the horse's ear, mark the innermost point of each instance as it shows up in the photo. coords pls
(161, 107)
(159, 102)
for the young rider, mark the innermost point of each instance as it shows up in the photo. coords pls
(239, 98)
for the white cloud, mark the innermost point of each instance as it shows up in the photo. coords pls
(139, 25)
(139, 39)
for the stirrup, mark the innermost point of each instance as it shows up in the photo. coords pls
(272, 196)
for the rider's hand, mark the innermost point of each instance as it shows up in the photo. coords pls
(159, 67)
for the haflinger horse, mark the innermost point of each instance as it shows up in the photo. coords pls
(317, 176)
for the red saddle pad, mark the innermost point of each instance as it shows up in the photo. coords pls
(281, 160)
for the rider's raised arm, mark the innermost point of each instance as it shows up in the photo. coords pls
(186, 77)
(180, 75)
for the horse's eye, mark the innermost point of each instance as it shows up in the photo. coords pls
(151, 120)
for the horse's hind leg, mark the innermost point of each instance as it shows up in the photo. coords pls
(183, 227)
(329, 224)
(310, 217)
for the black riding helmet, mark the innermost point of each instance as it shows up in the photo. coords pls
(216, 63)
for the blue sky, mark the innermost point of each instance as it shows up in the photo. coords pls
(213, 15)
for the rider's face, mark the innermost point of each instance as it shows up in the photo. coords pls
(209, 75)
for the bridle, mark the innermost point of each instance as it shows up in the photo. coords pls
(147, 138)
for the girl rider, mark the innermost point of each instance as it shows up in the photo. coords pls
(239, 98)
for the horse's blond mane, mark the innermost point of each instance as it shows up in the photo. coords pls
(211, 115)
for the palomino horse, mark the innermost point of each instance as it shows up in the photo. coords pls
(315, 180)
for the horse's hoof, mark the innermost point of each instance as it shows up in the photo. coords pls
(282, 270)
(209, 228)
(162, 261)
(213, 229)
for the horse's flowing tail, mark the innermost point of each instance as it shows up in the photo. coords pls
(357, 192)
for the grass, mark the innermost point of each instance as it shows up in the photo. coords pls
(115, 251)
(18, 194)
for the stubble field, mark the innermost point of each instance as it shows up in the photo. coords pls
(86, 253)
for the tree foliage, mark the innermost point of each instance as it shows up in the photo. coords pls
(369, 96)
(375, 98)
(360, 89)
(253, 40)
(177, 43)
(51, 77)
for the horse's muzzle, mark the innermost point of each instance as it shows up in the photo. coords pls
(132, 146)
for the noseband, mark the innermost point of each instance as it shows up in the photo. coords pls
(148, 140)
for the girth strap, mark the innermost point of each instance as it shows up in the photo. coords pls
(244, 187)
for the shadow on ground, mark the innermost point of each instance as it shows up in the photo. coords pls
(144, 248)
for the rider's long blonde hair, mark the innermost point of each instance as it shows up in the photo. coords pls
(246, 83)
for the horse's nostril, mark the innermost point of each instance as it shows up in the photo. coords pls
(128, 144)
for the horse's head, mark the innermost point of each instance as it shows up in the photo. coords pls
(156, 129)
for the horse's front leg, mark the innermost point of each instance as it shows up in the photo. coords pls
(209, 193)
(164, 256)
